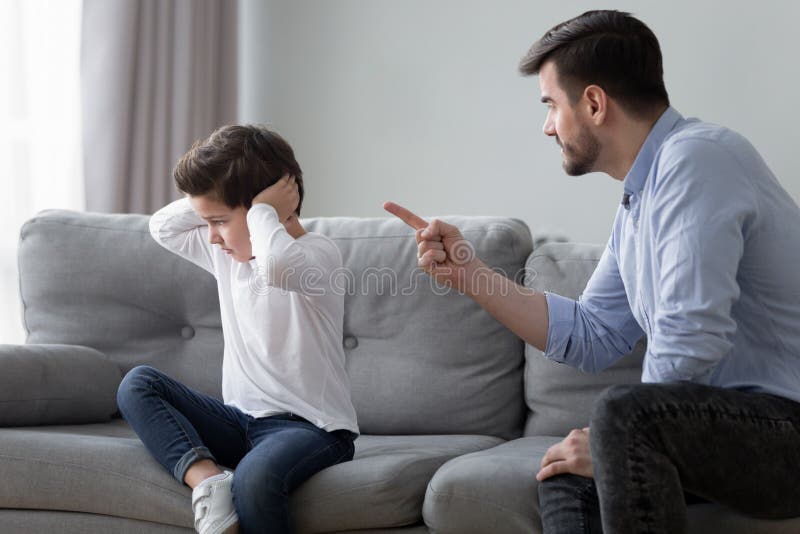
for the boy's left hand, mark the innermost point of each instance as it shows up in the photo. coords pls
(282, 195)
(572, 455)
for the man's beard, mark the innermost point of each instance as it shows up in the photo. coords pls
(580, 156)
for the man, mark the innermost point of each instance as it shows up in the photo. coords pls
(702, 258)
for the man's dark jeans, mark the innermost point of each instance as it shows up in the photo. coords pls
(272, 455)
(650, 443)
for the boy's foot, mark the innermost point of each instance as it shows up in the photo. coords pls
(212, 503)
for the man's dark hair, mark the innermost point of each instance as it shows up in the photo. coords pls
(235, 163)
(611, 49)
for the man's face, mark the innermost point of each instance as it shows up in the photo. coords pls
(579, 147)
(227, 227)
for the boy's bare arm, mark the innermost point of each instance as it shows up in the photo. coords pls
(450, 259)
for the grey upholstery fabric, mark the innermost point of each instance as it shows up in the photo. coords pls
(100, 469)
(384, 486)
(46, 522)
(416, 529)
(494, 490)
(49, 522)
(560, 397)
(102, 281)
(107, 471)
(419, 362)
(56, 384)
(433, 361)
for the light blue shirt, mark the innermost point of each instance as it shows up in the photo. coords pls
(704, 260)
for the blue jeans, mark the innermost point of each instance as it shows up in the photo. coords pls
(271, 455)
(657, 447)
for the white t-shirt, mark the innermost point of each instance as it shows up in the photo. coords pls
(281, 318)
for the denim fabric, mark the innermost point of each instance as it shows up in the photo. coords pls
(271, 455)
(568, 504)
(652, 442)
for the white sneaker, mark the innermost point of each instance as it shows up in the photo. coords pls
(212, 503)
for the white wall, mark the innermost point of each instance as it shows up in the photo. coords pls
(420, 102)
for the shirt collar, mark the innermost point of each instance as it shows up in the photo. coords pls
(637, 176)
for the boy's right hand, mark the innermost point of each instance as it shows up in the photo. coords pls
(282, 195)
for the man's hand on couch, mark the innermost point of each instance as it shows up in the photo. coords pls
(571, 455)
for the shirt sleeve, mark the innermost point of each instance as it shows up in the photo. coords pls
(597, 329)
(303, 265)
(177, 228)
(702, 206)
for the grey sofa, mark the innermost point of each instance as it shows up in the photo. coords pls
(455, 411)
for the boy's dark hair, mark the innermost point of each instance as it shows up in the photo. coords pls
(611, 49)
(235, 163)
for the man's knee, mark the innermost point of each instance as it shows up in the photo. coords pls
(619, 407)
(624, 414)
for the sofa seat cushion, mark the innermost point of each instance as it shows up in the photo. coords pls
(495, 490)
(100, 468)
(383, 487)
(105, 469)
(47, 522)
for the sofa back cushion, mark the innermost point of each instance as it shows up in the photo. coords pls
(560, 397)
(421, 359)
(56, 385)
(101, 281)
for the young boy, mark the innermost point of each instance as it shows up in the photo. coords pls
(287, 412)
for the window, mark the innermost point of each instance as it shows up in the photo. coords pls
(40, 139)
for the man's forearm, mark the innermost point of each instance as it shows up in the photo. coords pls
(520, 309)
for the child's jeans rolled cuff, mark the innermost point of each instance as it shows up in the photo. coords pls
(192, 455)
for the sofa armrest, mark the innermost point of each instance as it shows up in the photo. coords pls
(56, 384)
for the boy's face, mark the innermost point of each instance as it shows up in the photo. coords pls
(227, 227)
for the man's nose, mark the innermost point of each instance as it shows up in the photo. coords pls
(549, 128)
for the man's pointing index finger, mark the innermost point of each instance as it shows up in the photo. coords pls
(414, 221)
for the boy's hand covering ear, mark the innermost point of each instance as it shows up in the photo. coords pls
(282, 195)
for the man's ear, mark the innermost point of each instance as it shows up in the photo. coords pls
(595, 101)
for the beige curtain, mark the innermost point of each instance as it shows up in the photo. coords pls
(155, 76)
